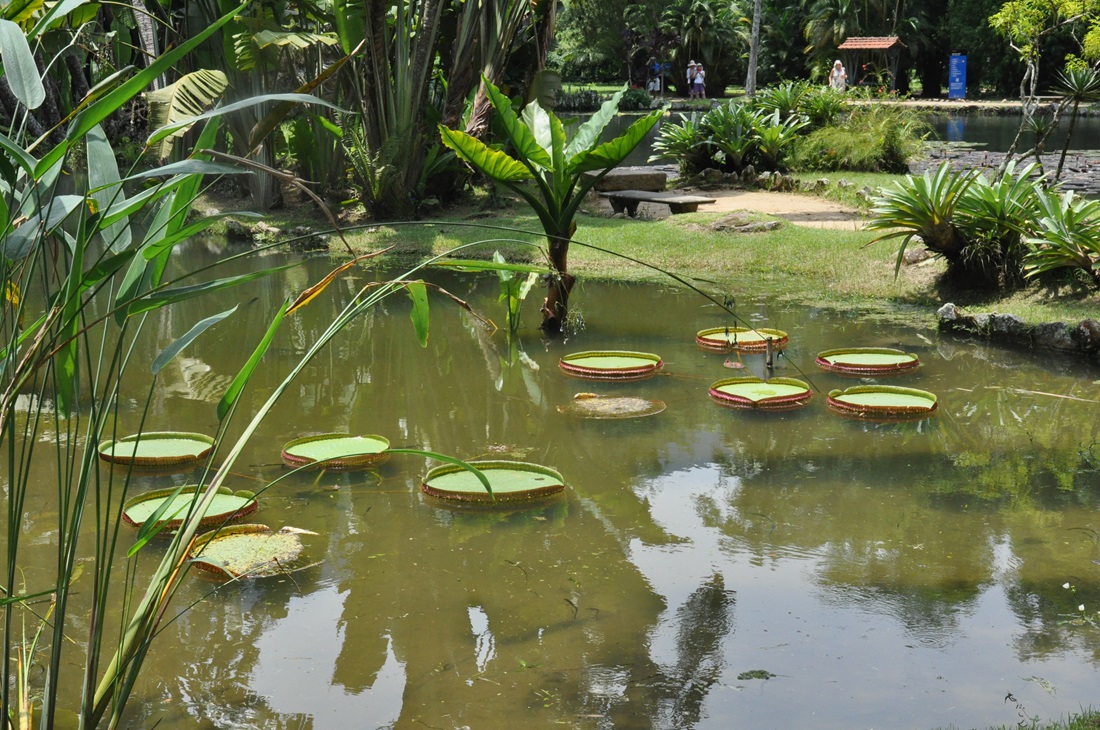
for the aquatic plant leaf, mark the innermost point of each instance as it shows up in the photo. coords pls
(312, 292)
(248, 552)
(420, 319)
(20, 70)
(169, 353)
(448, 460)
(158, 299)
(150, 518)
(474, 265)
(612, 407)
(233, 392)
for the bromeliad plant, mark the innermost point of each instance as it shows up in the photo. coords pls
(552, 173)
(1067, 236)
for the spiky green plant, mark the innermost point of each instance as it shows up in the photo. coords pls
(1067, 235)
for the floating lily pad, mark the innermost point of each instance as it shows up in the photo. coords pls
(882, 402)
(157, 449)
(776, 394)
(250, 551)
(867, 361)
(611, 365)
(611, 407)
(337, 451)
(225, 505)
(513, 482)
(742, 339)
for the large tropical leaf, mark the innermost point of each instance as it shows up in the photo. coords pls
(293, 39)
(493, 163)
(419, 315)
(182, 102)
(20, 70)
(522, 136)
(589, 133)
(609, 154)
(107, 191)
(169, 353)
(18, 11)
(349, 17)
(164, 131)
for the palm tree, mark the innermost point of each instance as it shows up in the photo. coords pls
(829, 23)
(710, 31)
(1076, 86)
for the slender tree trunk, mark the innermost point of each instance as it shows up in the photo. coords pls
(754, 49)
(1069, 138)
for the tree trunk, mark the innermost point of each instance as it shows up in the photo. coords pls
(754, 49)
(555, 308)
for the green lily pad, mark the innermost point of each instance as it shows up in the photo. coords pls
(611, 407)
(337, 451)
(512, 482)
(154, 449)
(225, 505)
(611, 365)
(249, 551)
(867, 360)
(882, 402)
(741, 339)
(776, 394)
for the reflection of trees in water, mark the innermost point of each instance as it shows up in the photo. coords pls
(705, 619)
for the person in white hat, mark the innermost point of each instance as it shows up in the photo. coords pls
(838, 77)
(691, 79)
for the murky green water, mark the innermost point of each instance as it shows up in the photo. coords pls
(899, 575)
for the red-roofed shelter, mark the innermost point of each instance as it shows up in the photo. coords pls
(872, 60)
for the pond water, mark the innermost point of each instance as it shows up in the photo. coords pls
(882, 575)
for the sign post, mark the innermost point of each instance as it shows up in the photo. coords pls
(956, 76)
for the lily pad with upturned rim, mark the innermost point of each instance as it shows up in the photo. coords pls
(337, 451)
(226, 505)
(741, 339)
(157, 449)
(611, 365)
(867, 361)
(882, 402)
(513, 482)
(612, 407)
(752, 393)
(249, 551)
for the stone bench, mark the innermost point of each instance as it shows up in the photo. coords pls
(628, 200)
(632, 178)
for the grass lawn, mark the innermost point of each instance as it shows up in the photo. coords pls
(821, 267)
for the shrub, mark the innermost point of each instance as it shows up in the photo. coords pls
(579, 100)
(635, 100)
(687, 143)
(873, 138)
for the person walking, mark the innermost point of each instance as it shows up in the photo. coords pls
(838, 77)
(691, 79)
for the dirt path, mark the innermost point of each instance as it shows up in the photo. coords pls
(803, 210)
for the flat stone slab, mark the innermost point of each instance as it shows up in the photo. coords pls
(628, 200)
(632, 178)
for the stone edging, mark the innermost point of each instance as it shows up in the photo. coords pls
(1082, 339)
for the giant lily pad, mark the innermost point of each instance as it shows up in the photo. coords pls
(590, 405)
(337, 451)
(741, 339)
(249, 551)
(867, 361)
(225, 506)
(513, 482)
(611, 365)
(157, 449)
(776, 394)
(882, 402)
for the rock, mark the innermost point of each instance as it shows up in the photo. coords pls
(710, 175)
(632, 178)
(317, 242)
(948, 313)
(237, 231)
(1053, 336)
(1008, 325)
(749, 173)
(300, 231)
(1087, 335)
(914, 256)
(821, 183)
(842, 183)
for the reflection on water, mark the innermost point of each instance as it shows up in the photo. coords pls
(888, 575)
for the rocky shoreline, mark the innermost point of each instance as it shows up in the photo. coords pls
(1080, 174)
(1082, 339)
